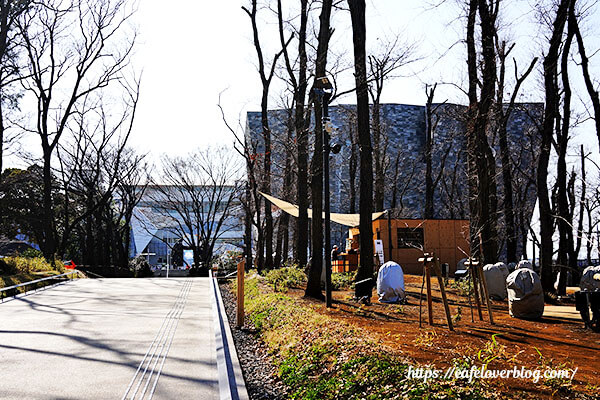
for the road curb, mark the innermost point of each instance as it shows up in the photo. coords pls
(231, 381)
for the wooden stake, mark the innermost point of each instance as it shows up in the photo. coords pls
(438, 272)
(484, 290)
(486, 294)
(474, 276)
(469, 296)
(421, 298)
(429, 300)
(240, 295)
(426, 259)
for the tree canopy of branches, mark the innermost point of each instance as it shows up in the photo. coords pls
(10, 45)
(197, 197)
(75, 50)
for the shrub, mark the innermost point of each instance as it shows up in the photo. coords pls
(140, 267)
(284, 278)
(342, 280)
(228, 260)
(26, 265)
(32, 253)
(462, 286)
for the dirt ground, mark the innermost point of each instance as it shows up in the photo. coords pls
(554, 342)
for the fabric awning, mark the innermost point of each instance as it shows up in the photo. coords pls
(342, 219)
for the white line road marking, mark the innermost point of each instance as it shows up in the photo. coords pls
(159, 348)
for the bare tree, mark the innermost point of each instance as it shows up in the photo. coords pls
(265, 78)
(365, 270)
(10, 11)
(551, 115)
(73, 51)
(301, 123)
(589, 84)
(393, 55)
(503, 114)
(89, 159)
(480, 159)
(431, 122)
(196, 196)
(562, 132)
(133, 178)
(250, 201)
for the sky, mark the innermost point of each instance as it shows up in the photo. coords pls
(190, 52)
(190, 58)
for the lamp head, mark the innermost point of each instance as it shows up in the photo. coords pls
(323, 83)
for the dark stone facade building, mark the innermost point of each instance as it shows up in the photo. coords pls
(402, 151)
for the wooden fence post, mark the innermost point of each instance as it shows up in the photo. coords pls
(240, 294)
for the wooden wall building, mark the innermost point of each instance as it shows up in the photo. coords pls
(448, 238)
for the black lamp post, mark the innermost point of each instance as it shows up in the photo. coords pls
(323, 88)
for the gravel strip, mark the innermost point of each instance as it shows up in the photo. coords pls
(258, 369)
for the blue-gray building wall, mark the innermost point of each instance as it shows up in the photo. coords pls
(404, 135)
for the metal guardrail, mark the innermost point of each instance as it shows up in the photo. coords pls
(4, 289)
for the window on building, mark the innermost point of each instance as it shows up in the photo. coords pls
(410, 238)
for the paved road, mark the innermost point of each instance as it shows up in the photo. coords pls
(110, 339)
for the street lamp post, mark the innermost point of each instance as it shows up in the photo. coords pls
(323, 88)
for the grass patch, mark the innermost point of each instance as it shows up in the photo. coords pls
(282, 279)
(21, 269)
(319, 357)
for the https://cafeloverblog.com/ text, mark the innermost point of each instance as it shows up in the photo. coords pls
(470, 374)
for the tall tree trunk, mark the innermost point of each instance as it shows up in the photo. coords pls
(565, 226)
(352, 167)
(508, 203)
(265, 78)
(48, 245)
(475, 219)
(287, 192)
(1, 137)
(266, 132)
(278, 243)
(313, 286)
(365, 269)
(248, 226)
(379, 157)
(481, 162)
(486, 162)
(302, 141)
(550, 116)
(429, 189)
(582, 201)
(260, 241)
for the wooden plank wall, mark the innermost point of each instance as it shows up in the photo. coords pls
(447, 238)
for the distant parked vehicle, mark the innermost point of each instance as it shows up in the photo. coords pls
(70, 264)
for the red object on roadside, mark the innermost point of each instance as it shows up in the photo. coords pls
(70, 265)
